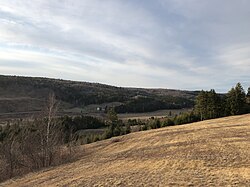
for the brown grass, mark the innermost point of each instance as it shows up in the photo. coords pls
(156, 114)
(209, 153)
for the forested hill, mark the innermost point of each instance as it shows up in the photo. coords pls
(21, 94)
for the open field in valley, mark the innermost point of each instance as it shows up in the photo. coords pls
(209, 153)
(147, 115)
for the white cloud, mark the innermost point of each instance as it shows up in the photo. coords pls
(166, 43)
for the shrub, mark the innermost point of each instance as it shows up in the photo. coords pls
(167, 122)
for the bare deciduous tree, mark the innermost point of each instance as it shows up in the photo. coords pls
(37, 144)
(8, 153)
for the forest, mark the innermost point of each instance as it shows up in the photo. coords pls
(80, 94)
(33, 90)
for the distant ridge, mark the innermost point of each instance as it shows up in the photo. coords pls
(22, 94)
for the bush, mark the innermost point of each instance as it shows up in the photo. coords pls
(167, 122)
(127, 129)
(185, 118)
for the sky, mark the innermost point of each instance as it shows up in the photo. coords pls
(177, 44)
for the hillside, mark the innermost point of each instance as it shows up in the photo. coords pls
(210, 153)
(28, 94)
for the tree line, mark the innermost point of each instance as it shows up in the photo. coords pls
(210, 105)
(149, 104)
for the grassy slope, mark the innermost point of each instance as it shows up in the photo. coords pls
(209, 153)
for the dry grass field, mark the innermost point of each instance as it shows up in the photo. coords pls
(210, 153)
(156, 114)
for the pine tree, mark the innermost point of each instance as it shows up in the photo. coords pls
(211, 103)
(248, 96)
(236, 100)
(208, 105)
(241, 98)
(200, 104)
(115, 126)
(230, 102)
(214, 104)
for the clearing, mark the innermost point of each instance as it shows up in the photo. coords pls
(155, 114)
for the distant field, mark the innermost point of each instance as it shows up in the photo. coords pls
(92, 108)
(147, 115)
(91, 111)
(209, 153)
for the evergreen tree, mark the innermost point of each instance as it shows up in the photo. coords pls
(241, 98)
(248, 96)
(208, 105)
(213, 104)
(127, 129)
(236, 100)
(112, 116)
(200, 104)
(115, 126)
(231, 102)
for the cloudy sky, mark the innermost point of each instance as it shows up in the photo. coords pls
(181, 44)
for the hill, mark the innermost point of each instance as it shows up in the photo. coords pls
(209, 153)
(19, 95)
